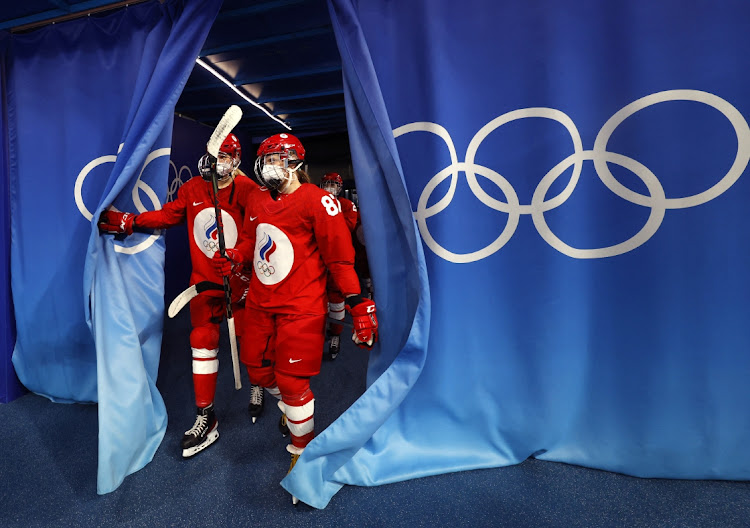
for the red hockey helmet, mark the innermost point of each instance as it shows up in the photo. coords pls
(282, 144)
(231, 146)
(279, 156)
(332, 183)
(225, 167)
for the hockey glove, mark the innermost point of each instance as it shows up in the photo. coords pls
(365, 321)
(227, 265)
(116, 223)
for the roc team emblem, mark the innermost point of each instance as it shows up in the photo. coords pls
(274, 254)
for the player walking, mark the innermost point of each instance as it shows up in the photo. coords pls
(296, 234)
(332, 183)
(195, 205)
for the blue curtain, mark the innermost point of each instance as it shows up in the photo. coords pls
(91, 103)
(10, 388)
(578, 175)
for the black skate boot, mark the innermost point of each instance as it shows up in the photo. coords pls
(204, 432)
(333, 348)
(283, 427)
(256, 401)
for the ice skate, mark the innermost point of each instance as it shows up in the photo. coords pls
(333, 348)
(256, 401)
(295, 452)
(205, 431)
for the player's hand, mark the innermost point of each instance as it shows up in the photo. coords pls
(365, 321)
(116, 223)
(225, 266)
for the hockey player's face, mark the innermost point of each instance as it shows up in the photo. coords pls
(331, 187)
(224, 165)
(273, 172)
(274, 159)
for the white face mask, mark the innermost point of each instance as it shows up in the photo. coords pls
(273, 176)
(224, 168)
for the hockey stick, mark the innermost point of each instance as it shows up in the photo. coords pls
(341, 322)
(230, 119)
(189, 294)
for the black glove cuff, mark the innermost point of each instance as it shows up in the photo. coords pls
(354, 300)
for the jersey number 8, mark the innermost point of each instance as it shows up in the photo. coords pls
(332, 205)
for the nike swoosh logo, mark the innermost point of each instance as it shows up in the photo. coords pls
(294, 360)
(253, 218)
(197, 203)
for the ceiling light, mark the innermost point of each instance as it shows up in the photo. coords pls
(245, 97)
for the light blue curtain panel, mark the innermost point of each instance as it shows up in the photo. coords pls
(577, 173)
(91, 104)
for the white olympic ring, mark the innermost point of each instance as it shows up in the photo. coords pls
(177, 181)
(656, 200)
(139, 185)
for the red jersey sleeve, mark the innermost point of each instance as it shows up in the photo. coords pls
(350, 212)
(172, 214)
(334, 242)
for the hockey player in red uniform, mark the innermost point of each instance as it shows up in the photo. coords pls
(195, 205)
(332, 183)
(295, 235)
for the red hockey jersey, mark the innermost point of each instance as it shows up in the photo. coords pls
(291, 242)
(195, 204)
(350, 212)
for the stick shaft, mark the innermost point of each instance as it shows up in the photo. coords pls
(227, 287)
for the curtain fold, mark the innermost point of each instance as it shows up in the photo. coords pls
(93, 102)
(578, 176)
(10, 388)
(348, 445)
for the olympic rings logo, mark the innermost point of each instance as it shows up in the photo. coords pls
(139, 185)
(177, 181)
(656, 199)
(265, 269)
(211, 245)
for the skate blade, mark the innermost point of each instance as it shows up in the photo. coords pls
(254, 418)
(295, 500)
(210, 439)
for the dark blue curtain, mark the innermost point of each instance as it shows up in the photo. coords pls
(95, 98)
(10, 388)
(578, 175)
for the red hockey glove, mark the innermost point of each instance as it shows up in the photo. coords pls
(365, 321)
(116, 223)
(226, 265)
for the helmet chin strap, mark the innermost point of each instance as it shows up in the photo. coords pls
(289, 177)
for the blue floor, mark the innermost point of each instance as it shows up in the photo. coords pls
(48, 473)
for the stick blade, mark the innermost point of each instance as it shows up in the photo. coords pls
(186, 296)
(230, 119)
(181, 300)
